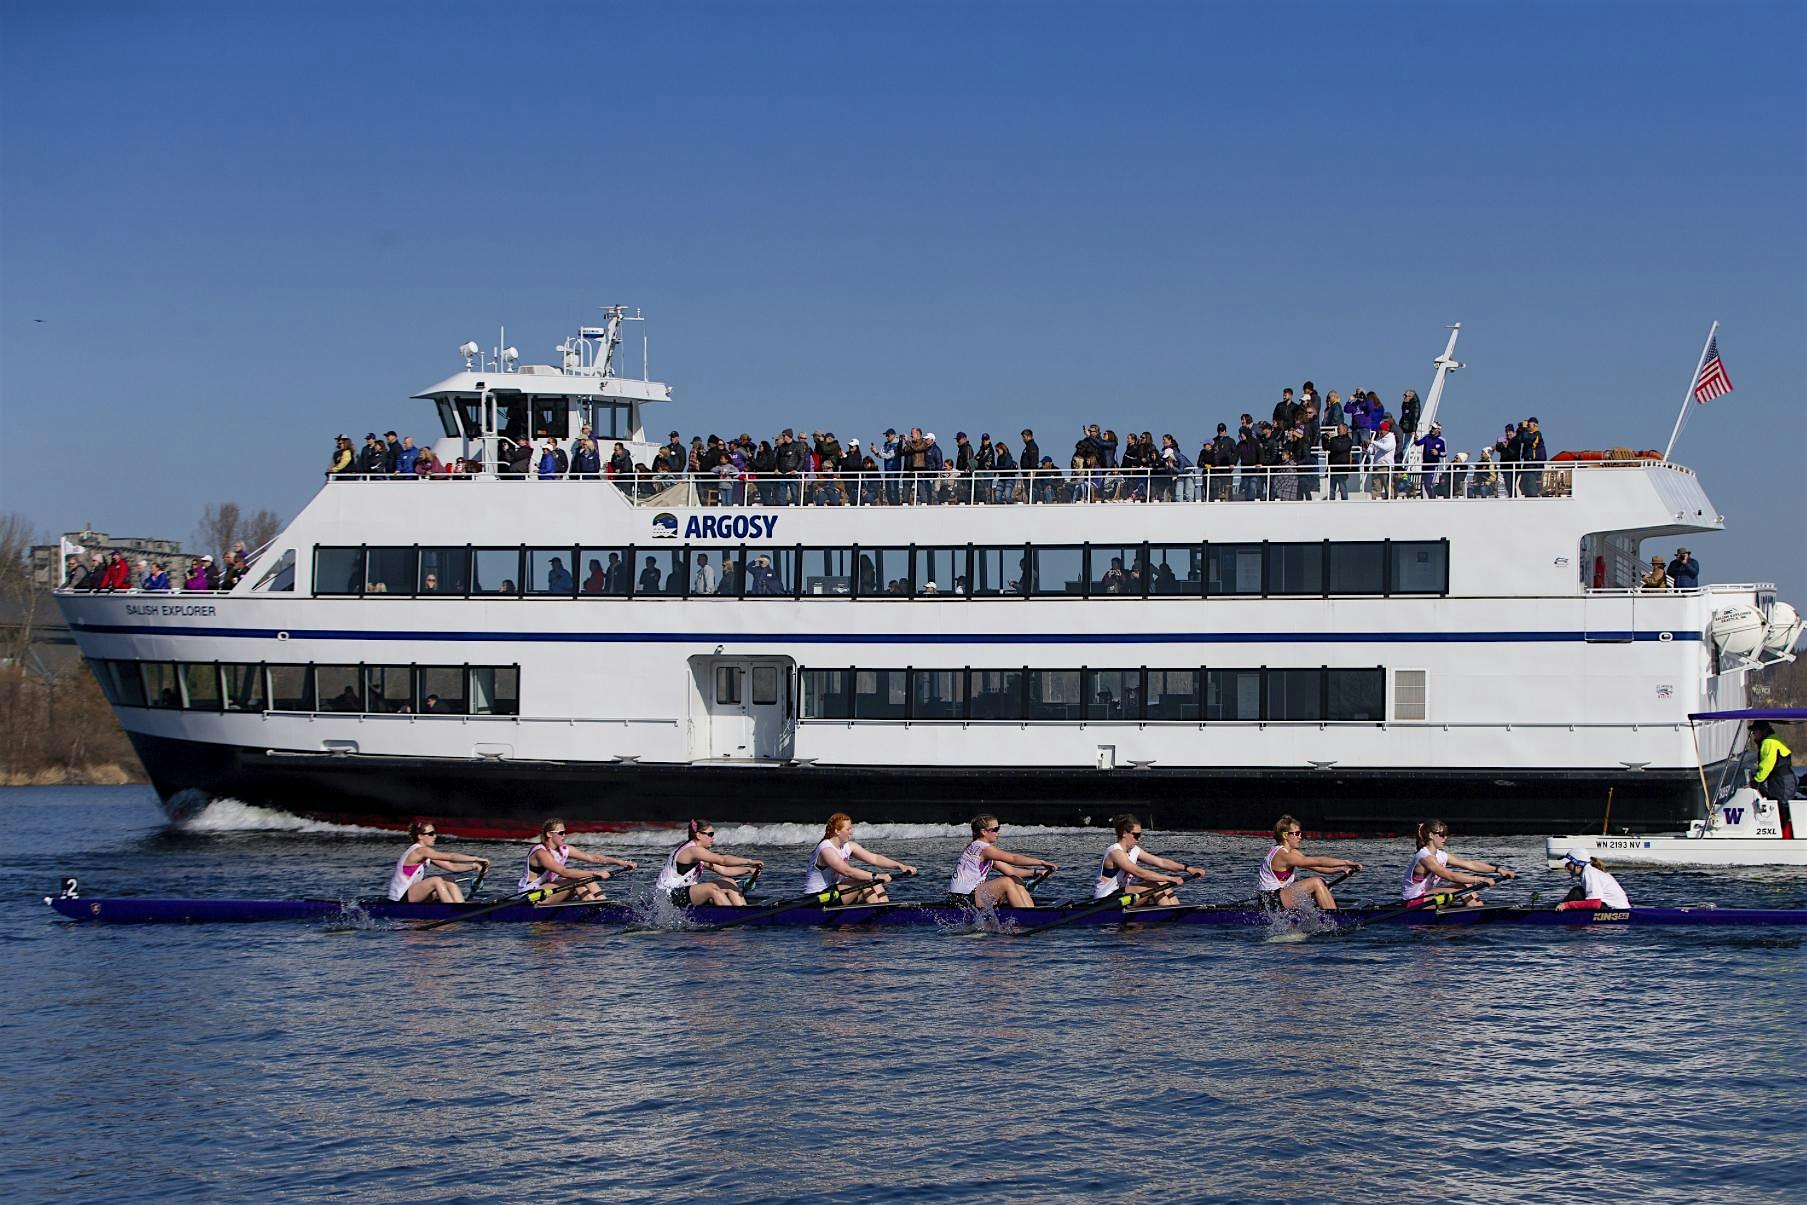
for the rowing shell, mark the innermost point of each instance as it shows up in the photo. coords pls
(147, 911)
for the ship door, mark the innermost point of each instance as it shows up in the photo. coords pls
(747, 707)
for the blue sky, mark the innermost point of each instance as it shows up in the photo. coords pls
(248, 227)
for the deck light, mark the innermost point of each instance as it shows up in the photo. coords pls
(468, 349)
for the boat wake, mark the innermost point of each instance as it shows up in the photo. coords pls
(205, 815)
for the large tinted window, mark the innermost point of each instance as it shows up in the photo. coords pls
(549, 571)
(160, 688)
(827, 694)
(1357, 694)
(1173, 694)
(291, 688)
(389, 570)
(1117, 569)
(1055, 694)
(442, 690)
(1295, 568)
(942, 571)
(828, 572)
(496, 691)
(660, 572)
(1233, 694)
(938, 694)
(1000, 571)
(496, 571)
(390, 688)
(123, 682)
(770, 572)
(1420, 567)
(244, 686)
(1175, 569)
(444, 570)
(997, 694)
(1057, 570)
(1233, 569)
(200, 685)
(340, 687)
(1113, 694)
(885, 573)
(338, 570)
(605, 571)
(880, 694)
(1358, 568)
(1295, 694)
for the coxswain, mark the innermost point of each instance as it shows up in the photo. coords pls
(831, 865)
(982, 856)
(546, 867)
(410, 881)
(1277, 883)
(1124, 867)
(1431, 868)
(1597, 889)
(683, 871)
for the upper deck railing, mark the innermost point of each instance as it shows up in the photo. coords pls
(1317, 482)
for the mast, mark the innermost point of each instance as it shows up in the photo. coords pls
(1445, 364)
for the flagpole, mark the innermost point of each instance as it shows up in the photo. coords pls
(1689, 395)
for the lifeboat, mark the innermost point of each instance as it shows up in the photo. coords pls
(1784, 630)
(1738, 632)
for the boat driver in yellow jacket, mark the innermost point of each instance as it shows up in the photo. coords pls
(1775, 775)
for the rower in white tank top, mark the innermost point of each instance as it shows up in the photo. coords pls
(531, 878)
(1418, 881)
(1278, 881)
(821, 876)
(1112, 881)
(404, 875)
(972, 869)
(671, 878)
(1267, 879)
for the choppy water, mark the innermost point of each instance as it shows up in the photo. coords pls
(508, 1062)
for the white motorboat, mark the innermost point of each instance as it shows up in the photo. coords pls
(1741, 828)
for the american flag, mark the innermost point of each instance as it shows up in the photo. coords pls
(1712, 381)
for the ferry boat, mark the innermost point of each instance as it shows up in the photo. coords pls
(622, 650)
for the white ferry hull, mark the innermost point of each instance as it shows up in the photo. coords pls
(1680, 849)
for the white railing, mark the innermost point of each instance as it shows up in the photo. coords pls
(1318, 481)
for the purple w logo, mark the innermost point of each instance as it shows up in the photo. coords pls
(1734, 815)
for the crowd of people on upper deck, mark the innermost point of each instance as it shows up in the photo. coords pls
(1309, 446)
(114, 570)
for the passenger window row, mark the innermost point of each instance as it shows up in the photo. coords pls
(1319, 568)
(361, 689)
(1141, 694)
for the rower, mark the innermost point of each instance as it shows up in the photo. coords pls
(546, 867)
(982, 856)
(1431, 867)
(410, 883)
(684, 869)
(1127, 860)
(831, 865)
(1278, 885)
(1597, 889)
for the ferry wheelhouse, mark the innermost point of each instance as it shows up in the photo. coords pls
(488, 649)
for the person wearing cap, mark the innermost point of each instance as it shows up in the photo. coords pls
(1775, 777)
(1380, 457)
(1658, 577)
(1434, 451)
(788, 458)
(1597, 889)
(343, 456)
(933, 462)
(1684, 570)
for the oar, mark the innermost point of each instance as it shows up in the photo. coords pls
(829, 896)
(1117, 899)
(1439, 899)
(1038, 880)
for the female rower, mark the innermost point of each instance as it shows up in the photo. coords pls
(1431, 867)
(684, 869)
(1127, 860)
(546, 867)
(409, 881)
(1276, 883)
(831, 865)
(983, 856)
(1597, 889)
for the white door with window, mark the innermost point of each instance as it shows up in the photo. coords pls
(747, 702)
